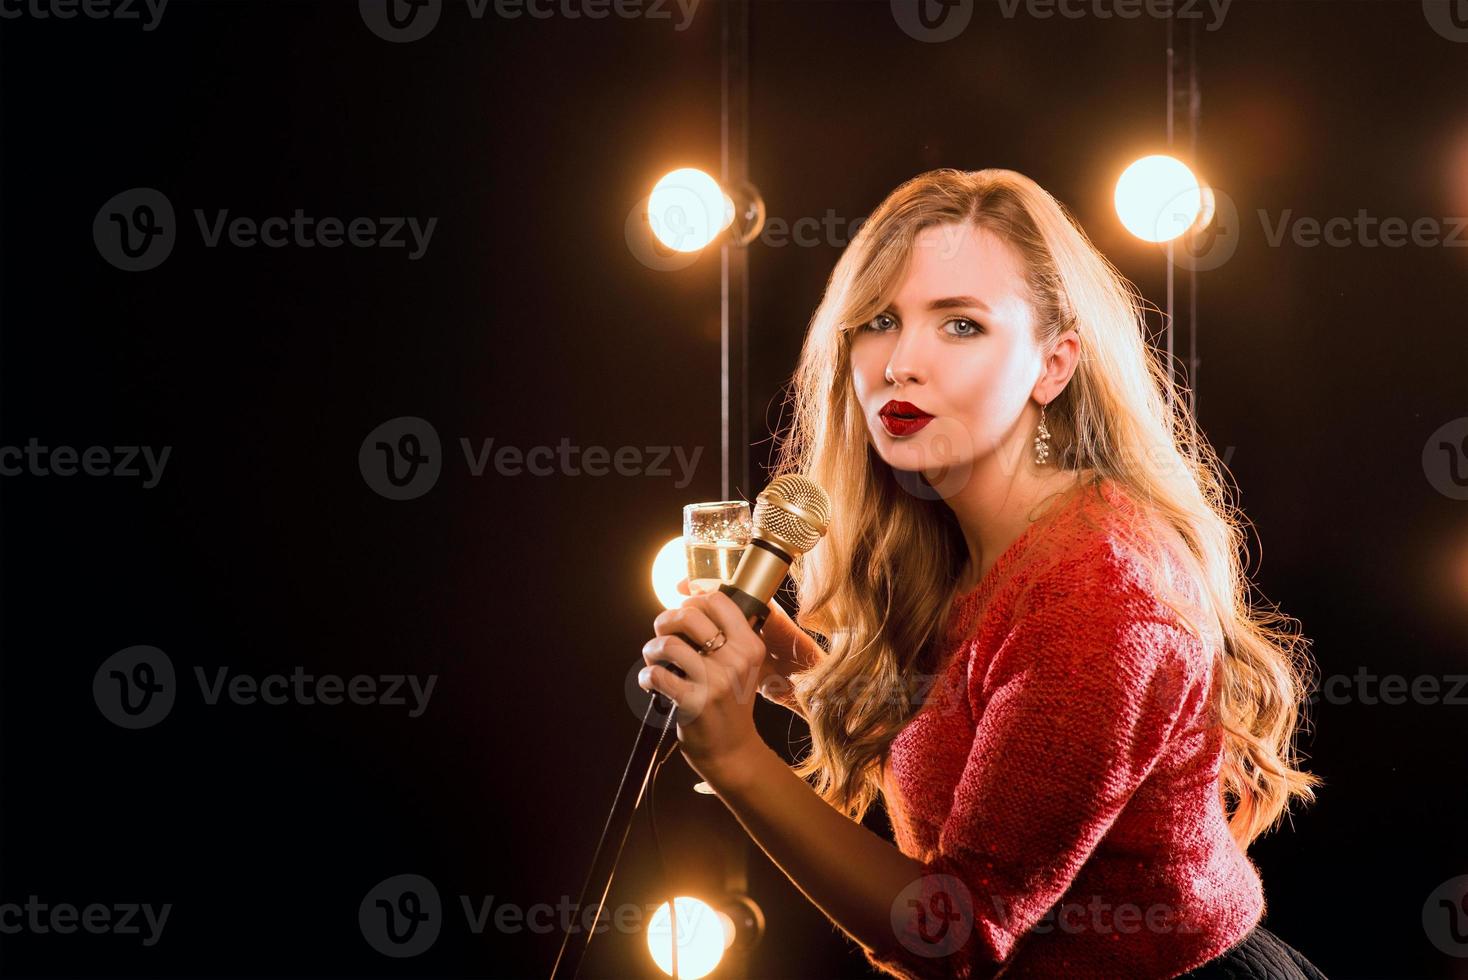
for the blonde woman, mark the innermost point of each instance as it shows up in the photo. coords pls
(1038, 645)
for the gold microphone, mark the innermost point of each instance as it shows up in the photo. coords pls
(790, 516)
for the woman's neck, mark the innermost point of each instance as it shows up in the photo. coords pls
(994, 517)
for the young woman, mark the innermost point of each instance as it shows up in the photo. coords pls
(1039, 649)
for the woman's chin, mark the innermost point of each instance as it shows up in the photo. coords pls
(912, 455)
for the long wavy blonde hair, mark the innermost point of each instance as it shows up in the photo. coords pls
(879, 587)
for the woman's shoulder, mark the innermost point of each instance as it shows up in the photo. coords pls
(1109, 546)
(1100, 550)
(1109, 597)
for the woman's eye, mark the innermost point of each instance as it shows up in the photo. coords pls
(960, 326)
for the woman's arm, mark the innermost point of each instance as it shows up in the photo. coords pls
(850, 873)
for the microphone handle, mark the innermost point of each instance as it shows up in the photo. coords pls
(755, 610)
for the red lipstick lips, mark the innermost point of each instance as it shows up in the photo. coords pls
(903, 418)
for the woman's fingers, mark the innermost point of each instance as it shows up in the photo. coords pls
(727, 676)
(690, 692)
(685, 587)
(790, 646)
(656, 677)
(722, 613)
(689, 620)
(672, 649)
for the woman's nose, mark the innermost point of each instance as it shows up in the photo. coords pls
(900, 376)
(905, 364)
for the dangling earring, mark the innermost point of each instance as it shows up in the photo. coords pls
(1042, 441)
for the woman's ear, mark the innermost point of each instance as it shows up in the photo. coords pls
(1060, 365)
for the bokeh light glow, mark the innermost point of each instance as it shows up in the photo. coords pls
(1158, 198)
(687, 209)
(668, 569)
(703, 935)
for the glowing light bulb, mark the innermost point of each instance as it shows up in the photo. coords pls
(703, 935)
(668, 569)
(1158, 198)
(688, 209)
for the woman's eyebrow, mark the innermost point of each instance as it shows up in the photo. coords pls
(955, 303)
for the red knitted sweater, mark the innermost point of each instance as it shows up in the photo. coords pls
(1060, 783)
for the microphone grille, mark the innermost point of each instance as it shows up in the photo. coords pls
(792, 510)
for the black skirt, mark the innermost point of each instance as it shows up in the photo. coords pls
(1260, 955)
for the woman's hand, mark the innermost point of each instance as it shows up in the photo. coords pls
(788, 650)
(791, 651)
(715, 702)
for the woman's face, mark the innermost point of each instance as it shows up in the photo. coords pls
(959, 338)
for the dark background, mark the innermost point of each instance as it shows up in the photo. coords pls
(1325, 372)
